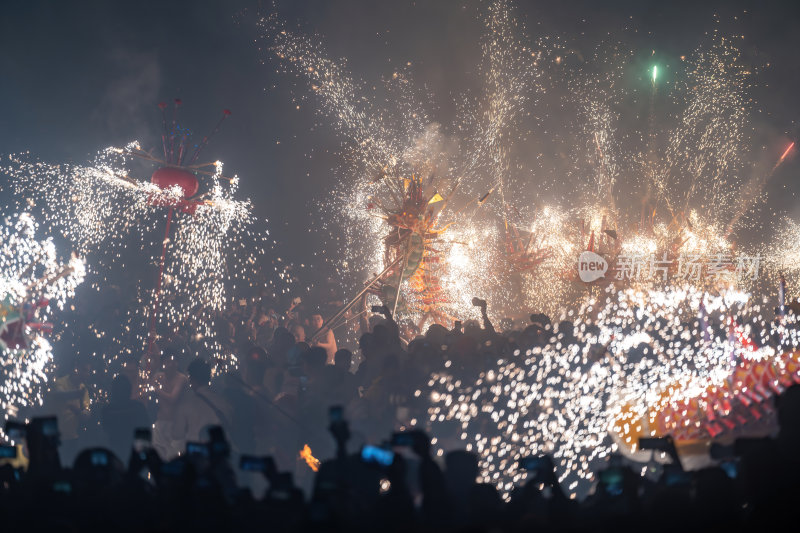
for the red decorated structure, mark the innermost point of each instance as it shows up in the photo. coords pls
(175, 173)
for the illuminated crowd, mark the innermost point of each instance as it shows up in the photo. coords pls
(267, 442)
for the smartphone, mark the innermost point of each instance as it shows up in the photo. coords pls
(730, 468)
(49, 426)
(335, 414)
(654, 443)
(375, 455)
(243, 303)
(15, 430)
(675, 476)
(99, 458)
(377, 308)
(539, 468)
(143, 434)
(404, 439)
(663, 444)
(197, 448)
(477, 302)
(252, 463)
(612, 480)
(296, 301)
(64, 487)
(174, 468)
(219, 448)
(8, 452)
(142, 442)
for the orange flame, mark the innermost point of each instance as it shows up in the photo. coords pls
(311, 461)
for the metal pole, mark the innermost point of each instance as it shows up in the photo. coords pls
(328, 323)
(402, 271)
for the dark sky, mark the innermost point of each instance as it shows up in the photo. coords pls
(76, 77)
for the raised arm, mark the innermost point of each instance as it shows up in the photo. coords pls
(487, 324)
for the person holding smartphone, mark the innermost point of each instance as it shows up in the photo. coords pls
(487, 324)
(292, 316)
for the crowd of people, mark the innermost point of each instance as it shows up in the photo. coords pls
(203, 451)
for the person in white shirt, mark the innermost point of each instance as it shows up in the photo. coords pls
(199, 407)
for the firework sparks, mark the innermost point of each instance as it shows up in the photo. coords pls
(782, 255)
(663, 188)
(753, 189)
(639, 358)
(392, 144)
(32, 282)
(644, 364)
(112, 218)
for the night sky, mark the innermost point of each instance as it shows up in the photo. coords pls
(80, 76)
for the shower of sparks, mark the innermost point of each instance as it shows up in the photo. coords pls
(389, 135)
(667, 185)
(697, 161)
(647, 359)
(753, 190)
(643, 363)
(113, 218)
(782, 255)
(33, 282)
